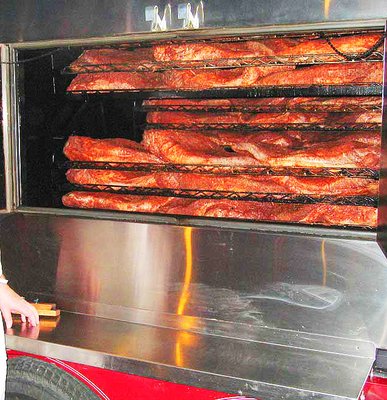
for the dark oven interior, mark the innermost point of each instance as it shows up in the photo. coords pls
(297, 105)
(48, 116)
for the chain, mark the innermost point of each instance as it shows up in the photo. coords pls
(353, 57)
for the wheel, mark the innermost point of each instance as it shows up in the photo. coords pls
(32, 379)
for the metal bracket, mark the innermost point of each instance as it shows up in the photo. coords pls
(159, 24)
(191, 20)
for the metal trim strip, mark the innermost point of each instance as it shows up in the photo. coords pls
(208, 223)
(193, 372)
(201, 33)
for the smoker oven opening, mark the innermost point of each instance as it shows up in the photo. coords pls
(48, 117)
(50, 114)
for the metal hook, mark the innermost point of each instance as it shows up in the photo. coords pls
(159, 24)
(191, 20)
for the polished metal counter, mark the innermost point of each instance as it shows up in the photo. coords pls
(250, 367)
(268, 314)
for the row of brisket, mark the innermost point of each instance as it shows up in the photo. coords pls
(353, 149)
(169, 76)
(232, 132)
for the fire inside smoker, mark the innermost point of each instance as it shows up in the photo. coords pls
(299, 132)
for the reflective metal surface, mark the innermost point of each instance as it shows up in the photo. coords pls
(270, 314)
(9, 126)
(30, 20)
(247, 367)
(280, 306)
(299, 229)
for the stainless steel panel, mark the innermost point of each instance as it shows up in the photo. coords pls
(30, 20)
(9, 125)
(255, 368)
(335, 287)
(275, 304)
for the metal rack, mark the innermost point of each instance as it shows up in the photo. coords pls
(264, 108)
(227, 63)
(372, 54)
(365, 173)
(365, 89)
(265, 127)
(237, 38)
(230, 195)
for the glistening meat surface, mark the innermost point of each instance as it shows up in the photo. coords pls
(200, 79)
(287, 103)
(307, 149)
(109, 201)
(293, 139)
(269, 184)
(350, 44)
(328, 74)
(323, 214)
(165, 117)
(104, 58)
(350, 154)
(297, 149)
(231, 183)
(115, 81)
(191, 148)
(210, 51)
(111, 177)
(347, 44)
(82, 148)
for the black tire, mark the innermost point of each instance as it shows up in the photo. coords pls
(32, 379)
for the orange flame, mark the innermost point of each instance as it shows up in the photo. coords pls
(188, 271)
(183, 338)
(327, 5)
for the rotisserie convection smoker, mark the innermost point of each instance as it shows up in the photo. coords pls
(270, 310)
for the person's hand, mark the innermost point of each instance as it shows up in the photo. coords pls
(11, 302)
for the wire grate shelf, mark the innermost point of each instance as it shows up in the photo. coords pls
(266, 127)
(264, 108)
(365, 173)
(132, 45)
(227, 63)
(366, 89)
(229, 195)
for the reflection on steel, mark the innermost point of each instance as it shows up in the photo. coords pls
(327, 5)
(191, 304)
(159, 23)
(192, 19)
(253, 368)
(266, 314)
(7, 126)
(185, 338)
(188, 270)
